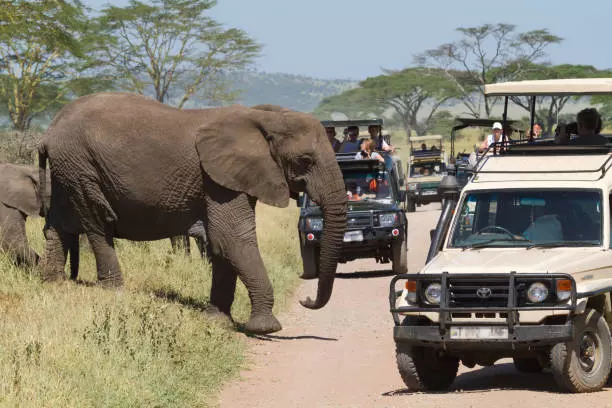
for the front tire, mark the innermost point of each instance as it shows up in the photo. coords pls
(411, 204)
(310, 262)
(425, 369)
(583, 363)
(400, 261)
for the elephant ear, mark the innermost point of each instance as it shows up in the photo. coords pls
(234, 150)
(19, 188)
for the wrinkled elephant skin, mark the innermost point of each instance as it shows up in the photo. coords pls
(19, 199)
(127, 166)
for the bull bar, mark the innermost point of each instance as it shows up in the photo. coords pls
(518, 333)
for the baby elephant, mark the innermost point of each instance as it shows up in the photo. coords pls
(19, 199)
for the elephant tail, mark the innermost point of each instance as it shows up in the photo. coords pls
(42, 179)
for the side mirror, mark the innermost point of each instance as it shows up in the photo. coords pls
(403, 196)
(300, 200)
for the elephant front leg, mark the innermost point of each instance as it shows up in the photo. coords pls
(107, 264)
(234, 252)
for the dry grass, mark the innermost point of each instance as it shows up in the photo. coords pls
(71, 345)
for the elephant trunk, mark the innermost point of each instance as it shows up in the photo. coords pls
(333, 202)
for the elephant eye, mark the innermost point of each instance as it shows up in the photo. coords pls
(302, 164)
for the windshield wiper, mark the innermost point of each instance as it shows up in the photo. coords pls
(555, 244)
(486, 243)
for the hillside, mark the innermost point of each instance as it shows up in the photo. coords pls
(292, 91)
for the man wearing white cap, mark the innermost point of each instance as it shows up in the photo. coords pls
(495, 137)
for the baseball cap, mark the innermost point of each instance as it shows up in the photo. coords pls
(497, 125)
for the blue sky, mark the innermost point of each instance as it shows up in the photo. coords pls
(354, 38)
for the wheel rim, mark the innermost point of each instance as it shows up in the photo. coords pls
(589, 352)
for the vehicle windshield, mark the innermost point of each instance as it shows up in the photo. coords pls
(529, 218)
(365, 185)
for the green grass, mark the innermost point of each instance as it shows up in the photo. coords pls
(150, 344)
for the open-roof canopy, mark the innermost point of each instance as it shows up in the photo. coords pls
(426, 137)
(551, 87)
(355, 122)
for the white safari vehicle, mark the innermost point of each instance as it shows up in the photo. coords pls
(520, 264)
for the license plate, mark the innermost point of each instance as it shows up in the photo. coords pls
(428, 192)
(353, 236)
(478, 332)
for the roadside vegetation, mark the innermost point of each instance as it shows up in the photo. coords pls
(150, 344)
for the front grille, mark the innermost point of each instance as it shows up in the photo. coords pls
(478, 292)
(355, 221)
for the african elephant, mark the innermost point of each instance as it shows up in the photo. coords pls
(124, 165)
(19, 199)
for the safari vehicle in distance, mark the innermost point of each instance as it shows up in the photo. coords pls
(425, 169)
(376, 219)
(520, 263)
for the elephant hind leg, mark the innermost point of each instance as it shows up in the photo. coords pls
(107, 264)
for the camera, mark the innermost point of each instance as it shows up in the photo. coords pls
(571, 128)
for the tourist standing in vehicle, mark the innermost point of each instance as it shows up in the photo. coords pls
(494, 137)
(588, 124)
(331, 135)
(379, 142)
(350, 143)
(536, 132)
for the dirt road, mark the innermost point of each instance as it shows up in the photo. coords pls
(344, 356)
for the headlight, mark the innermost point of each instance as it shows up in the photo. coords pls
(387, 220)
(412, 186)
(433, 293)
(314, 224)
(537, 292)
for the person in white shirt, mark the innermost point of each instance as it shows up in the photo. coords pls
(379, 142)
(496, 136)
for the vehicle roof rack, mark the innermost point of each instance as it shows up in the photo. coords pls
(354, 122)
(524, 148)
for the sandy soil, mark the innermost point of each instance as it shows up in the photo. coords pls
(344, 355)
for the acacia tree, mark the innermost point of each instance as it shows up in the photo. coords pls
(172, 48)
(355, 103)
(40, 44)
(487, 54)
(412, 93)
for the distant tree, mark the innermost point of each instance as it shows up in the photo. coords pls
(604, 102)
(413, 93)
(441, 123)
(486, 54)
(42, 51)
(173, 47)
(355, 103)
